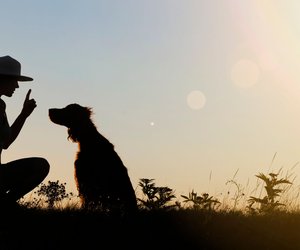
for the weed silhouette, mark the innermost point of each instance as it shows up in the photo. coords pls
(155, 197)
(203, 201)
(268, 203)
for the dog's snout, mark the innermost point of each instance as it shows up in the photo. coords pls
(54, 115)
(50, 112)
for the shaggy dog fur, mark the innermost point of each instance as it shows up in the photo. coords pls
(102, 179)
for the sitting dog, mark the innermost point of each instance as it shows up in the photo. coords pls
(101, 178)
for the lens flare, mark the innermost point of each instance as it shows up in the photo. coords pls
(196, 100)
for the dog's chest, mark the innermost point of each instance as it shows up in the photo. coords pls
(87, 160)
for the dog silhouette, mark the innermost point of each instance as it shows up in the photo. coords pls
(101, 178)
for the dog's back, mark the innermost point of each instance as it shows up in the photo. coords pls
(101, 177)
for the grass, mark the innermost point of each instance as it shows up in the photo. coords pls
(161, 229)
(266, 218)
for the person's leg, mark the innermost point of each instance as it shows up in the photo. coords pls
(19, 177)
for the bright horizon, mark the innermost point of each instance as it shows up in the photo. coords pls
(189, 92)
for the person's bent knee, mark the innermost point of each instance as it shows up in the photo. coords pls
(43, 166)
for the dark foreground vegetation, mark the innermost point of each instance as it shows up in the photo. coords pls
(186, 229)
(197, 222)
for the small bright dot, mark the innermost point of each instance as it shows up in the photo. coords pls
(196, 99)
(245, 73)
(151, 123)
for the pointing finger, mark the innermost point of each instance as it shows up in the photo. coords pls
(28, 94)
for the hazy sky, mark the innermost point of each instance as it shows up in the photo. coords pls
(188, 91)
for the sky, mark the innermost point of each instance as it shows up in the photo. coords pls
(191, 93)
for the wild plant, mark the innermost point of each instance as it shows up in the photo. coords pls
(53, 192)
(239, 193)
(270, 202)
(155, 197)
(203, 201)
(31, 202)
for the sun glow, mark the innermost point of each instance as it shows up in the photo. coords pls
(245, 73)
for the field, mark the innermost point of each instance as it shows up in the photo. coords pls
(199, 221)
(186, 229)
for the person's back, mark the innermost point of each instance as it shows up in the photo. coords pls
(4, 126)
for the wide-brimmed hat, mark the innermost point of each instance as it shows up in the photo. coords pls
(12, 68)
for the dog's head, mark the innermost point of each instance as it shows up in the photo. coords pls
(72, 116)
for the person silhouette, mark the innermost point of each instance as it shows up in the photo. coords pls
(20, 176)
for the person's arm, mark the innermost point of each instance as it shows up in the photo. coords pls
(28, 106)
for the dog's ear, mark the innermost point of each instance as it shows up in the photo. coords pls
(81, 120)
(83, 114)
(72, 135)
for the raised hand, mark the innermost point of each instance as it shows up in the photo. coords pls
(29, 104)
